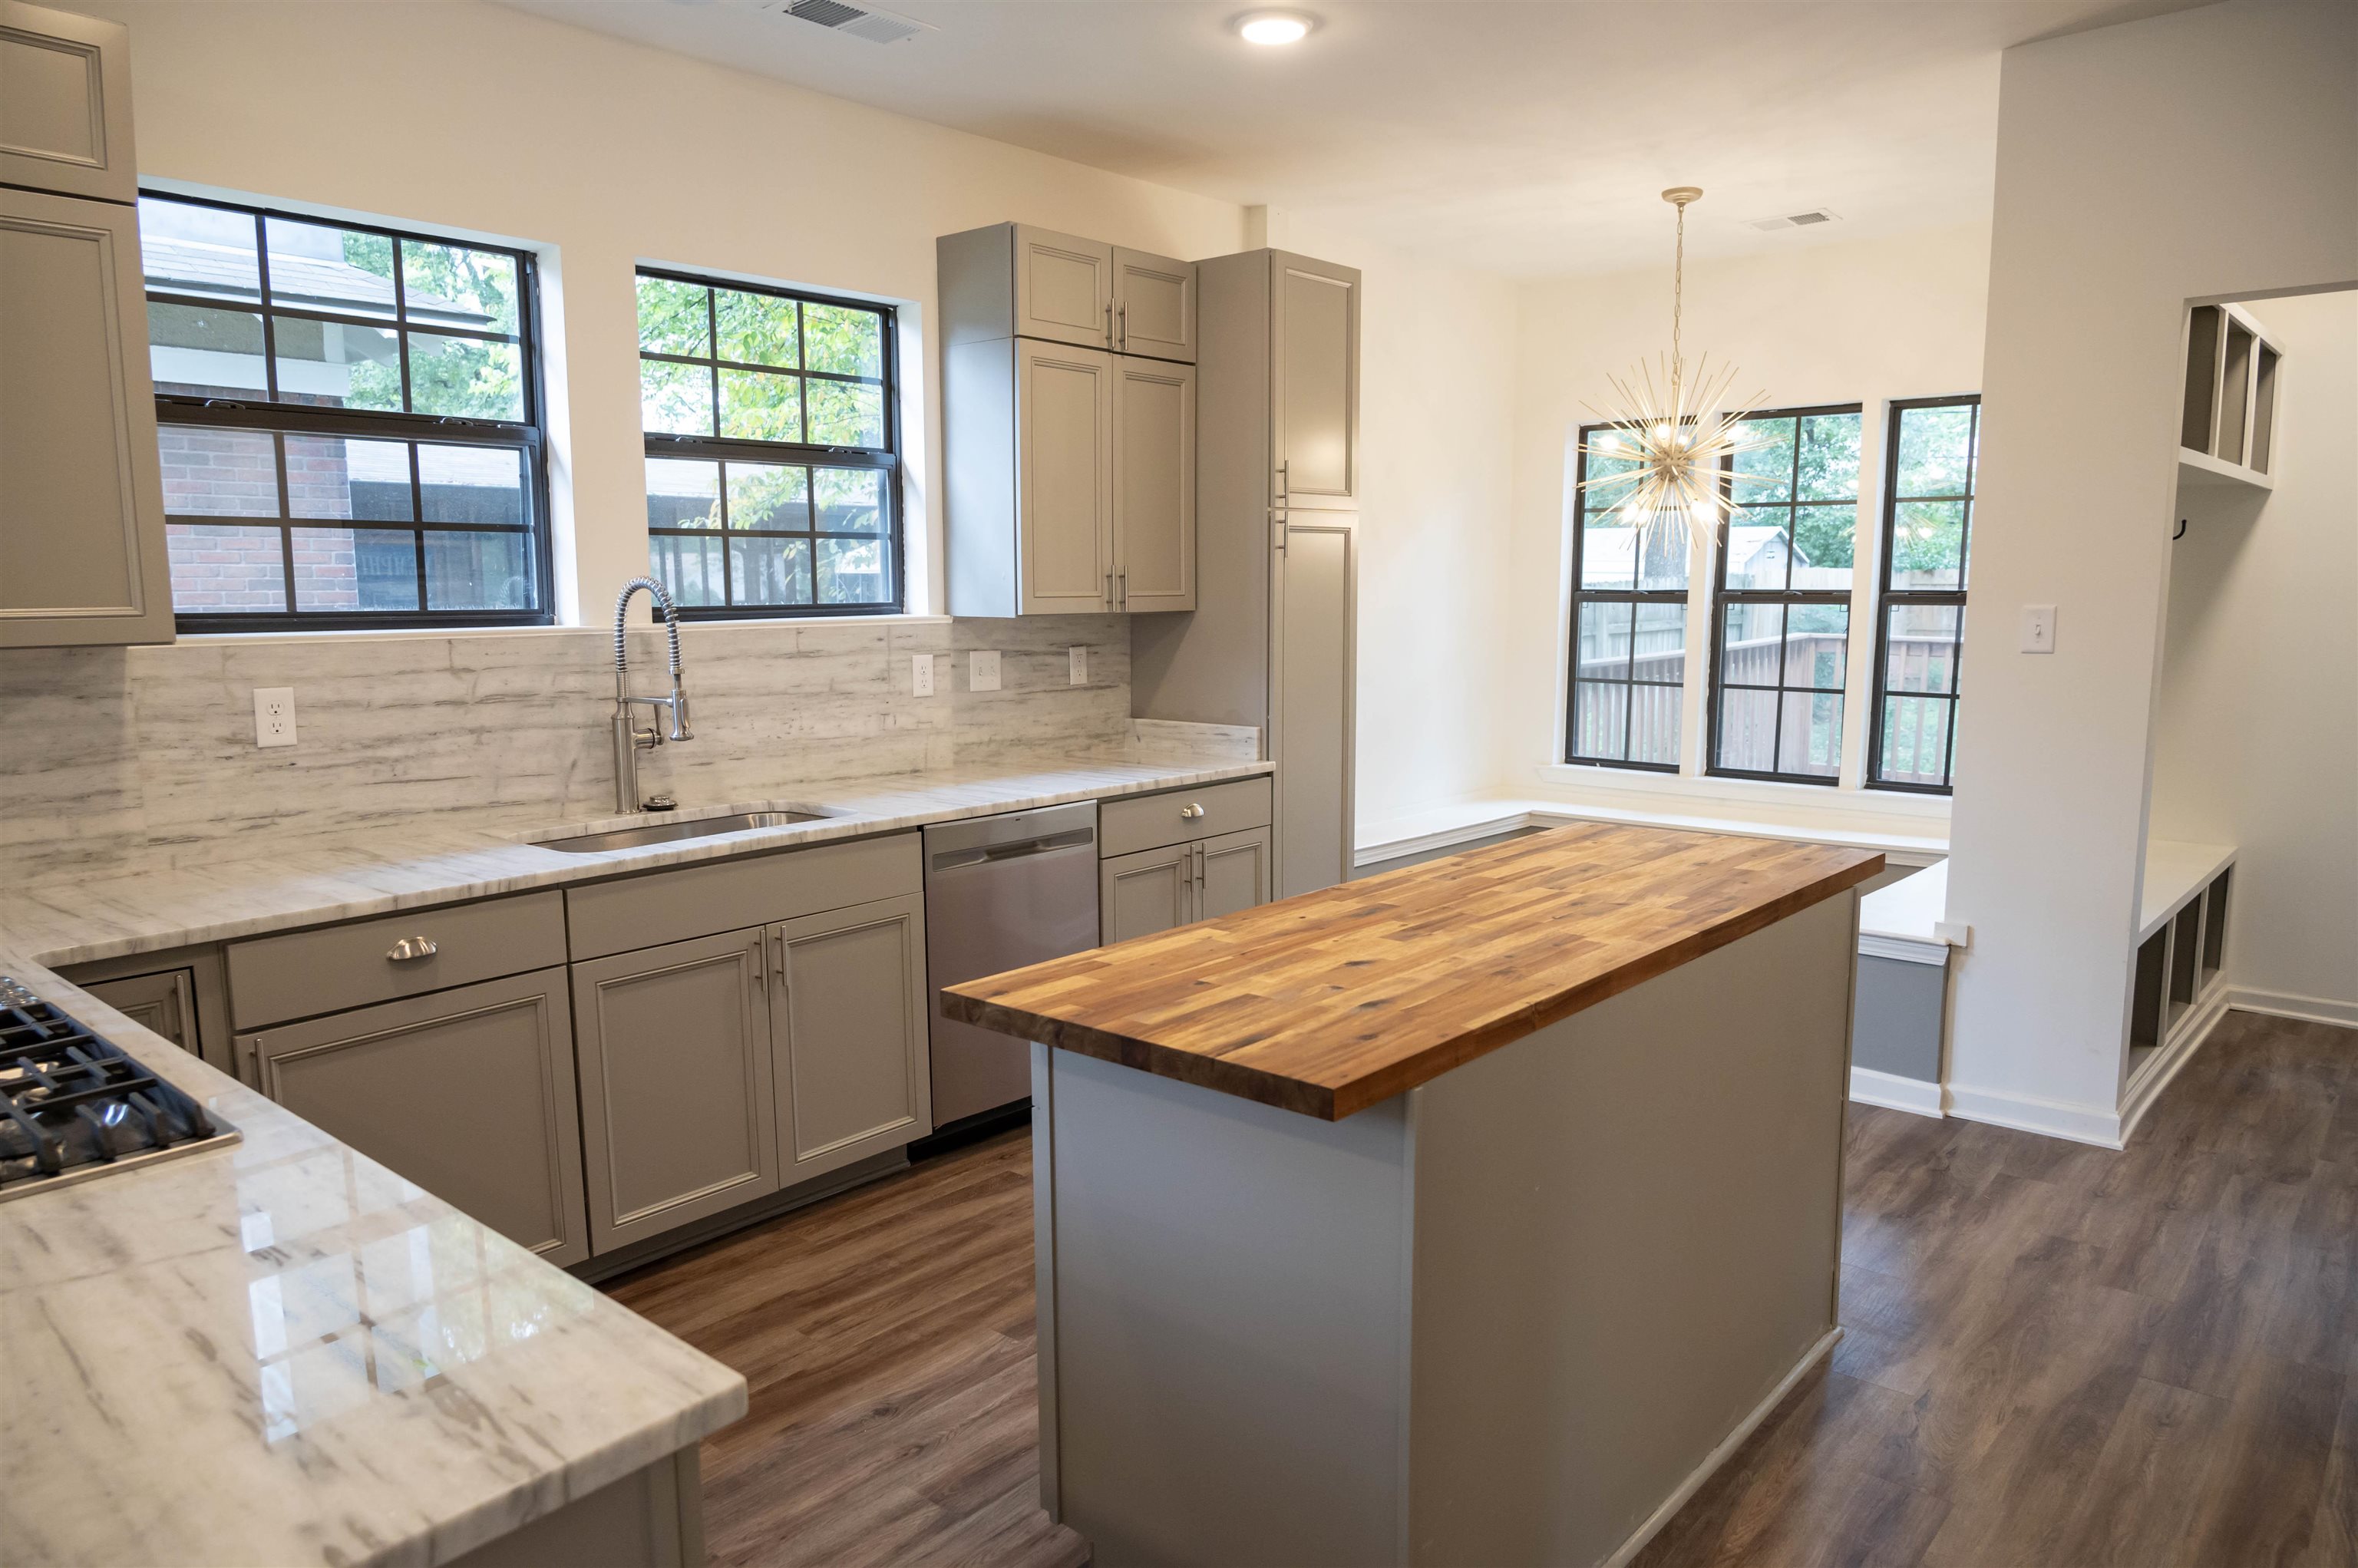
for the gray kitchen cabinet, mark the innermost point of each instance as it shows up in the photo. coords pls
(847, 1034)
(676, 1113)
(1153, 484)
(1315, 381)
(1313, 687)
(470, 1093)
(1231, 873)
(181, 994)
(81, 488)
(165, 1003)
(1063, 476)
(65, 103)
(1069, 465)
(1153, 304)
(1151, 891)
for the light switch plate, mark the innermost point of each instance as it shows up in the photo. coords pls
(982, 671)
(1077, 665)
(921, 673)
(273, 716)
(2038, 628)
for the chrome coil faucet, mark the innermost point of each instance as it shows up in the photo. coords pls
(629, 739)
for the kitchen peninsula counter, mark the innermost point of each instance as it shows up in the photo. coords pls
(1466, 1214)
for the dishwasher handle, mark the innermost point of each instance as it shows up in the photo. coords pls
(952, 860)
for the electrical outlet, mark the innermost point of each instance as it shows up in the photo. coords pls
(921, 673)
(982, 671)
(2038, 628)
(1076, 666)
(273, 716)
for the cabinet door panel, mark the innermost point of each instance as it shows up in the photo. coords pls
(469, 1093)
(1064, 288)
(1153, 304)
(1310, 702)
(674, 1051)
(1315, 366)
(1234, 874)
(1064, 486)
(1151, 891)
(849, 1009)
(65, 103)
(1154, 484)
(81, 510)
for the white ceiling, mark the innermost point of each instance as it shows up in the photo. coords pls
(1521, 137)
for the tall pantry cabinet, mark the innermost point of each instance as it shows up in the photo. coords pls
(1271, 642)
(82, 495)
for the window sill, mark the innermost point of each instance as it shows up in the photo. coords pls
(365, 634)
(1774, 797)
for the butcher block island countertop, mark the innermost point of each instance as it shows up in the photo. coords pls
(1335, 1000)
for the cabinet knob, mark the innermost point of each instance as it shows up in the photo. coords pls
(1190, 812)
(409, 949)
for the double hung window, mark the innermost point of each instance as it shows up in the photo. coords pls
(1931, 453)
(1629, 625)
(350, 421)
(1780, 619)
(772, 449)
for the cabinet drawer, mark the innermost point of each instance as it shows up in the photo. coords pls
(1150, 821)
(724, 896)
(272, 979)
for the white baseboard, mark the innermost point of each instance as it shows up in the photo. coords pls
(1721, 1455)
(1889, 1089)
(2097, 1124)
(2286, 1004)
(2145, 1085)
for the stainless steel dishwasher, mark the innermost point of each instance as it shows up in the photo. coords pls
(1001, 893)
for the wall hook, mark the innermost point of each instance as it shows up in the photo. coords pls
(2182, 531)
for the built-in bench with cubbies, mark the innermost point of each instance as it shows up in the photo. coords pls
(2181, 952)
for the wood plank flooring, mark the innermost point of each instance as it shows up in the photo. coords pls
(2056, 1357)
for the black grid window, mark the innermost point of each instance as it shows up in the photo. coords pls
(349, 420)
(1930, 455)
(772, 445)
(1780, 623)
(1629, 625)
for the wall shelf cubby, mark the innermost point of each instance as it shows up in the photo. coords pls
(2227, 432)
(2182, 948)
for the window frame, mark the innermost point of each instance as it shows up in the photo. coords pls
(1887, 596)
(808, 454)
(1789, 598)
(278, 420)
(1633, 596)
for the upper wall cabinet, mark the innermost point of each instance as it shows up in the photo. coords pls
(1068, 391)
(81, 492)
(65, 103)
(2228, 431)
(1315, 383)
(1011, 280)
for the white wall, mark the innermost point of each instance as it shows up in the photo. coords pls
(604, 153)
(2210, 153)
(2255, 739)
(1436, 388)
(1865, 322)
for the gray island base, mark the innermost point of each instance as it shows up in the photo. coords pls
(1513, 1316)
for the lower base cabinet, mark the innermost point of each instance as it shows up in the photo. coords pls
(1178, 884)
(721, 1070)
(469, 1093)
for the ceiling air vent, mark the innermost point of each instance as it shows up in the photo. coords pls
(858, 21)
(1814, 216)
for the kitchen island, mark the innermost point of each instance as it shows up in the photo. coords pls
(1468, 1214)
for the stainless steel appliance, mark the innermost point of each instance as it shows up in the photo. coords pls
(1001, 893)
(73, 1105)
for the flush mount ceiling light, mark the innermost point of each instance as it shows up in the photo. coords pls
(1670, 429)
(1274, 27)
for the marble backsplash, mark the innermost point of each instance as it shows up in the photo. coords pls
(114, 752)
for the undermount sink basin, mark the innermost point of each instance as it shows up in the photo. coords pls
(670, 832)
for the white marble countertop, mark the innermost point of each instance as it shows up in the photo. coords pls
(147, 908)
(281, 1352)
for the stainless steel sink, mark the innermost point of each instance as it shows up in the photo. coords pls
(670, 832)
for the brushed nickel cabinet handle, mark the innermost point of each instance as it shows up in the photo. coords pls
(1108, 597)
(1124, 338)
(1121, 593)
(1190, 811)
(409, 949)
(1108, 323)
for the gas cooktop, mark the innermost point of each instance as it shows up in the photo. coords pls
(73, 1105)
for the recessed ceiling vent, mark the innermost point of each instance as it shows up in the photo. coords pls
(1810, 218)
(858, 21)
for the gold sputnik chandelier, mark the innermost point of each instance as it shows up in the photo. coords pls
(1672, 428)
